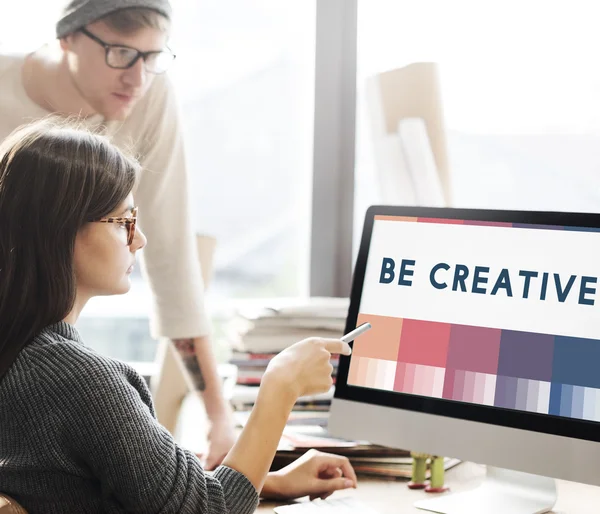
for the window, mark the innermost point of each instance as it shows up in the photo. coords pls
(246, 85)
(521, 97)
(245, 78)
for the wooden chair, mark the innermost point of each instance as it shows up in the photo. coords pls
(10, 506)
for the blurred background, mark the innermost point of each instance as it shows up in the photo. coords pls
(517, 121)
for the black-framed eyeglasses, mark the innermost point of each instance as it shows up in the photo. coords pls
(123, 57)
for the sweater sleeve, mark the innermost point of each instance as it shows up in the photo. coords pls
(170, 258)
(112, 430)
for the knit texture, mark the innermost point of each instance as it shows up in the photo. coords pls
(78, 434)
(77, 14)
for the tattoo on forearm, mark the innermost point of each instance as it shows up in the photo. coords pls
(185, 348)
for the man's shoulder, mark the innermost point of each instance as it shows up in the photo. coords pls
(16, 108)
(10, 61)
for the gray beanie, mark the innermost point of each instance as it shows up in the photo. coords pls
(78, 13)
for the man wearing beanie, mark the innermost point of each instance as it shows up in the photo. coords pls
(107, 66)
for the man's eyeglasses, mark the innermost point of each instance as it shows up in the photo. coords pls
(130, 223)
(124, 57)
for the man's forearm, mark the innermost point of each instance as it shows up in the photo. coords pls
(201, 366)
(187, 351)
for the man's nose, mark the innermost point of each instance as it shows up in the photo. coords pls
(136, 75)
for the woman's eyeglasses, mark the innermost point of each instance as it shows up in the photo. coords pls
(129, 222)
(123, 57)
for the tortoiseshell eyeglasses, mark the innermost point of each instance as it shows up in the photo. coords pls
(129, 222)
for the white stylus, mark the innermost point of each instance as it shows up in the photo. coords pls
(351, 336)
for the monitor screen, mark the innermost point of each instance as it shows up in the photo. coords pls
(487, 316)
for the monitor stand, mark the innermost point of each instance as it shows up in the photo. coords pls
(501, 492)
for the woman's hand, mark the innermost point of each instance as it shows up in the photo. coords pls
(315, 474)
(305, 367)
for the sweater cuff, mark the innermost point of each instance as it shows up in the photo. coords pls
(240, 495)
(193, 326)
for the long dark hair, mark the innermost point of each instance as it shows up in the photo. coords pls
(54, 178)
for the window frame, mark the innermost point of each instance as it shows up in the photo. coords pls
(331, 256)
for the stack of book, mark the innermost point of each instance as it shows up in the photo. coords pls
(244, 397)
(274, 327)
(251, 367)
(260, 333)
(366, 459)
(304, 432)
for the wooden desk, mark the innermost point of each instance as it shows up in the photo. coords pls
(393, 497)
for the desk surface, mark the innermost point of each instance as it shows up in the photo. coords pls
(393, 497)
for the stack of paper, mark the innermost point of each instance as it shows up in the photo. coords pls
(258, 333)
(303, 433)
(244, 397)
(272, 328)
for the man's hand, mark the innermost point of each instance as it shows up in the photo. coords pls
(221, 438)
(201, 368)
(315, 474)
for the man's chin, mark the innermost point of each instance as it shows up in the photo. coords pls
(116, 112)
(117, 115)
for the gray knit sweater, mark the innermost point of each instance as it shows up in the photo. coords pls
(78, 434)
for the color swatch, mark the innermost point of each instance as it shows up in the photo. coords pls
(419, 379)
(509, 369)
(374, 373)
(506, 368)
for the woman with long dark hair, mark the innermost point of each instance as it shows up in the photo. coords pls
(77, 429)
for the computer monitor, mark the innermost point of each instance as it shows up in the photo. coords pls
(485, 346)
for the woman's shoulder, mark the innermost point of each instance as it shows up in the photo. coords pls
(61, 362)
